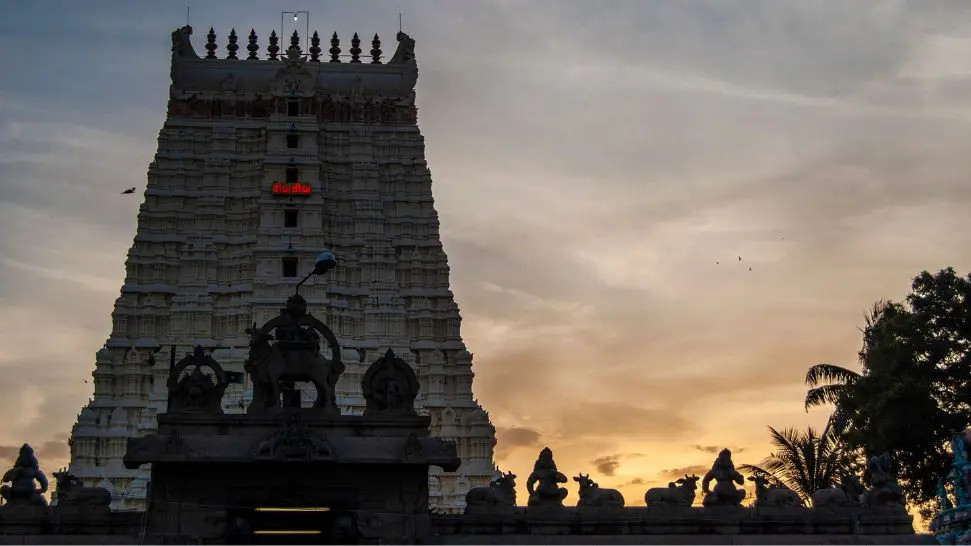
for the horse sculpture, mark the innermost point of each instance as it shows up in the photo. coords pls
(268, 366)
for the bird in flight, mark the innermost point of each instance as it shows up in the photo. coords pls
(739, 258)
(129, 190)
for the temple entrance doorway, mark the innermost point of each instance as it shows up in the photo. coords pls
(304, 525)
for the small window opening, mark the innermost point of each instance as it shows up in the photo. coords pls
(293, 141)
(293, 108)
(289, 267)
(292, 175)
(290, 218)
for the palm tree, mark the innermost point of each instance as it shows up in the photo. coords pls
(805, 462)
(832, 384)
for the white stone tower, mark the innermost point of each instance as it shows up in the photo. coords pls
(261, 164)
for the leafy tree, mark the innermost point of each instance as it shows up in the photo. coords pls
(914, 390)
(806, 461)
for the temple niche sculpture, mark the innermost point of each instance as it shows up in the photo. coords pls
(389, 387)
(192, 389)
(723, 472)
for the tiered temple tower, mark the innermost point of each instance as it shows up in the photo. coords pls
(261, 164)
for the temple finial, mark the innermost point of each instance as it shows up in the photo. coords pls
(252, 47)
(376, 50)
(295, 40)
(211, 46)
(232, 47)
(315, 48)
(335, 49)
(273, 48)
(355, 50)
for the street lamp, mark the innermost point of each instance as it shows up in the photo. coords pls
(296, 17)
(325, 262)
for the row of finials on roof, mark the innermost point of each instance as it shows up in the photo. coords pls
(273, 50)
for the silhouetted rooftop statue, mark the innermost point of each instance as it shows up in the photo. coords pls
(726, 477)
(295, 355)
(500, 494)
(884, 492)
(680, 492)
(21, 478)
(591, 494)
(548, 493)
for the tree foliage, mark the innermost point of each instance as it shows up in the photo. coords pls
(806, 461)
(914, 390)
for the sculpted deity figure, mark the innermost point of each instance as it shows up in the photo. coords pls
(548, 493)
(21, 477)
(884, 490)
(294, 357)
(723, 472)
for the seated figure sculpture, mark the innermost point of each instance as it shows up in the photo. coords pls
(723, 472)
(548, 493)
(21, 477)
(884, 491)
(295, 356)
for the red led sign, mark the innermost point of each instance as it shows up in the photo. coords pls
(297, 188)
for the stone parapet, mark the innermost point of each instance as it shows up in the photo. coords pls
(661, 522)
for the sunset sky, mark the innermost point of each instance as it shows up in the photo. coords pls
(592, 164)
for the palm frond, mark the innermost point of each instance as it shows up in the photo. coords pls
(829, 373)
(827, 394)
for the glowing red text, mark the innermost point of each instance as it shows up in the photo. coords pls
(297, 188)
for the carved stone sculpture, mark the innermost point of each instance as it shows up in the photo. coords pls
(21, 478)
(501, 493)
(296, 442)
(680, 492)
(884, 492)
(389, 386)
(548, 493)
(773, 497)
(294, 357)
(591, 494)
(846, 495)
(726, 477)
(72, 492)
(196, 392)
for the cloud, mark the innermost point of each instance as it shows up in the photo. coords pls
(674, 473)
(715, 449)
(508, 439)
(608, 464)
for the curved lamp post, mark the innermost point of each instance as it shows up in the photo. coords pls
(325, 262)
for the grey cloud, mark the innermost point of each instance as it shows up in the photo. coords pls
(511, 438)
(674, 473)
(715, 449)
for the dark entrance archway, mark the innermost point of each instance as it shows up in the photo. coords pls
(293, 515)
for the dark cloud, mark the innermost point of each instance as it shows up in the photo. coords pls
(508, 439)
(606, 465)
(715, 449)
(518, 436)
(674, 473)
